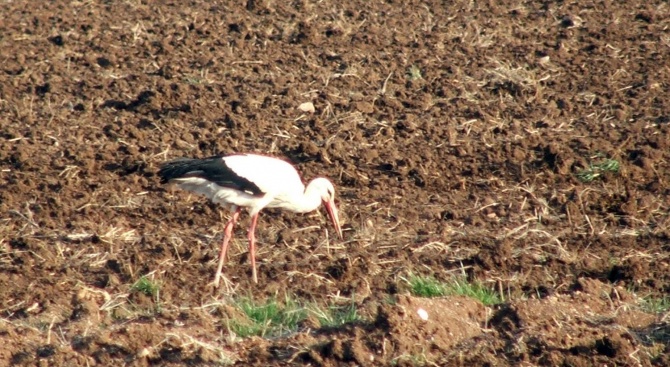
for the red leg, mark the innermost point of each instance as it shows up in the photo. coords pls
(252, 246)
(227, 235)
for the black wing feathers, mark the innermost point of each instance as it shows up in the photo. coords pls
(212, 169)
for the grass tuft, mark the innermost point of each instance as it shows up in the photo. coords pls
(414, 73)
(656, 304)
(475, 290)
(269, 318)
(272, 318)
(334, 316)
(431, 287)
(597, 170)
(427, 287)
(146, 286)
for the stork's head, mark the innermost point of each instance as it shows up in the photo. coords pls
(326, 190)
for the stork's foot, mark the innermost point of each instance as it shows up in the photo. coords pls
(222, 280)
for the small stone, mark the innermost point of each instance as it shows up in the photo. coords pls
(423, 314)
(307, 107)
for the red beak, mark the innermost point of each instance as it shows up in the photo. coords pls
(333, 214)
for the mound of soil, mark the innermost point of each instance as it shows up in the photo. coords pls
(593, 325)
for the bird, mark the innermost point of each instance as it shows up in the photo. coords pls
(254, 182)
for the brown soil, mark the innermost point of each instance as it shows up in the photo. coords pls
(455, 132)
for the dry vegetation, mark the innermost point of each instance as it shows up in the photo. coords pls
(510, 160)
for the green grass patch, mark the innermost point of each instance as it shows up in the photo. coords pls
(430, 287)
(334, 316)
(268, 318)
(656, 304)
(272, 318)
(598, 169)
(146, 286)
(427, 287)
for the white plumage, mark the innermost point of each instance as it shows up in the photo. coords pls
(250, 181)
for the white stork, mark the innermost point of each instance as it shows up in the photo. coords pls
(251, 181)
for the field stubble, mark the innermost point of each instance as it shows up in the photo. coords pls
(466, 143)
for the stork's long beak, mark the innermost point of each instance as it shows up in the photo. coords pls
(332, 212)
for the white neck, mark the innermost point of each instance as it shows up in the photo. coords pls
(304, 202)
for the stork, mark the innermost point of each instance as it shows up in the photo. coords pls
(249, 181)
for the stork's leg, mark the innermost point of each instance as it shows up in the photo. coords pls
(252, 246)
(227, 235)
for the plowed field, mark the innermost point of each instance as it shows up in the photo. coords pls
(523, 145)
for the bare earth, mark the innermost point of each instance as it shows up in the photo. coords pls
(456, 133)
